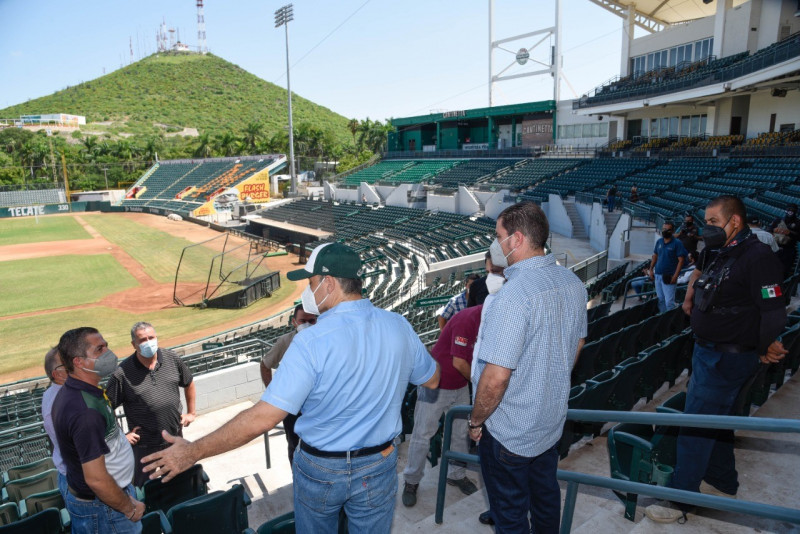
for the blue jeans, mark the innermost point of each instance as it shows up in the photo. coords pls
(63, 487)
(94, 517)
(364, 486)
(666, 294)
(707, 454)
(517, 485)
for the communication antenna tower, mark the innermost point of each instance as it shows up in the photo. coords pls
(171, 38)
(201, 29)
(130, 38)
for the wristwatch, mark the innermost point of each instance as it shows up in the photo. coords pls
(473, 427)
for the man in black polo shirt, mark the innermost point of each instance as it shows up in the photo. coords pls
(737, 311)
(98, 458)
(147, 385)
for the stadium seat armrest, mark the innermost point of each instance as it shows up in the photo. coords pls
(248, 531)
(4, 495)
(5, 478)
(23, 509)
(246, 500)
(204, 475)
(165, 525)
(65, 519)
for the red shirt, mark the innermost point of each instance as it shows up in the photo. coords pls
(457, 340)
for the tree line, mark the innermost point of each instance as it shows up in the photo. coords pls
(29, 158)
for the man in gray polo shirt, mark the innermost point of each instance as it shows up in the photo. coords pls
(528, 344)
(147, 385)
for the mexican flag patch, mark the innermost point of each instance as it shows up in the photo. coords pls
(768, 292)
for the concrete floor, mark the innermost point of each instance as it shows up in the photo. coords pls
(766, 463)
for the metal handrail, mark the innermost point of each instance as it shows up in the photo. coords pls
(573, 479)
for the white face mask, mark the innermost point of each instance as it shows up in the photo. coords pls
(309, 303)
(302, 326)
(496, 251)
(148, 348)
(494, 282)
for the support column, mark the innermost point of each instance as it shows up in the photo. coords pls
(627, 38)
(492, 136)
(513, 130)
(438, 135)
(719, 26)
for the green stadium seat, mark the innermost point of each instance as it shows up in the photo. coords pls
(18, 490)
(45, 522)
(156, 523)
(630, 455)
(221, 512)
(27, 470)
(9, 513)
(187, 485)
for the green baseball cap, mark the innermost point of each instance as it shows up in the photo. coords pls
(330, 259)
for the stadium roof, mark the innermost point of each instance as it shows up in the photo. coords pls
(655, 15)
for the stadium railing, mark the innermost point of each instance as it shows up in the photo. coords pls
(591, 267)
(574, 479)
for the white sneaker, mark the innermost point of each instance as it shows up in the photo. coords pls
(708, 489)
(665, 512)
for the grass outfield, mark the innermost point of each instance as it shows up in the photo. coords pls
(157, 251)
(55, 282)
(27, 230)
(24, 341)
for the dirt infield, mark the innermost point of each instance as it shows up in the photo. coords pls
(150, 295)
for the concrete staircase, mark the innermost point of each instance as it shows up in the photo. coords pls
(611, 221)
(578, 231)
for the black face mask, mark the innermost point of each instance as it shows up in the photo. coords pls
(666, 234)
(714, 236)
(790, 215)
(688, 223)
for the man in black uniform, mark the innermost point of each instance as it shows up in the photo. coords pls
(736, 309)
(688, 234)
(786, 231)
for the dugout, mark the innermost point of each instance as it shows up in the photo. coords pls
(499, 127)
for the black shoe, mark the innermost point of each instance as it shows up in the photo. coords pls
(410, 494)
(486, 518)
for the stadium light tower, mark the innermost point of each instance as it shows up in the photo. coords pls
(282, 18)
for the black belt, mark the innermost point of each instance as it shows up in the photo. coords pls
(366, 451)
(724, 347)
(80, 495)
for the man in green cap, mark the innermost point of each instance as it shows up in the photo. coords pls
(347, 376)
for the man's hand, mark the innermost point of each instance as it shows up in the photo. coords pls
(650, 274)
(138, 511)
(133, 435)
(687, 307)
(475, 433)
(775, 353)
(673, 280)
(172, 460)
(188, 418)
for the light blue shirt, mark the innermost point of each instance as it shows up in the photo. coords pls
(533, 328)
(47, 414)
(348, 375)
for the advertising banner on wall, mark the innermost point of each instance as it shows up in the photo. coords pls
(37, 210)
(255, 188)
(537, 132)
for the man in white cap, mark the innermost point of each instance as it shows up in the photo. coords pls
(347, 376)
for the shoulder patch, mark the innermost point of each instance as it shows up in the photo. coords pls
(461, 341)
(769, 292)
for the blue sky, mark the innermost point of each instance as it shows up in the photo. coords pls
(360, 58)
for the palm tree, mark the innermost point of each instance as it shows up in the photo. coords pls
(352, 125)
(252, 133)
(205, 146)
(227, 143)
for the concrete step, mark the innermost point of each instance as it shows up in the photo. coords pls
(611, 221)
(578, 231)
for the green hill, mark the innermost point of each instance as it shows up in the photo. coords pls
(173, 91)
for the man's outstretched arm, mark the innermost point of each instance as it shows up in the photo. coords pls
(246, 426)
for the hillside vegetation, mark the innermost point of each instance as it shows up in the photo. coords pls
(183, 90)
(139, 111)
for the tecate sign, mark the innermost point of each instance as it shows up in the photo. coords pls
(26, 211)
(523, 56)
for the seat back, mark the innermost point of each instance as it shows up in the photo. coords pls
(187, 485)
(630, 452)
(674, 404)
(30, 469)
(218, 512)
(20, 489)
(283, 524)
(42, 501)
(156, 523)
(8, 513)
(45, 522)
